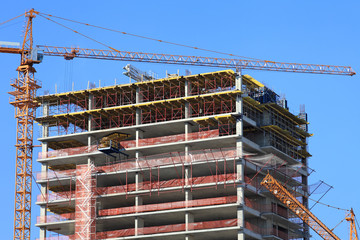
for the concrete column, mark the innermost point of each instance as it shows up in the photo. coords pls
(269, 221)
(43, 210)
(241, 236)
(187, 104)
(239, 113)
(187, 87)
(44, 167)
(187, 130)
(138, 201)
(139, 134)
(139, 224)
(187, 165)
(188, 237)
(138, 180)
(42, 234)
(240, 170)
(138, 110)
(90, 106)
(90, 140)
(189, 218)
(137, 95)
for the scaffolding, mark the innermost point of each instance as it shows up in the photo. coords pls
(85, 203)
(209, 103)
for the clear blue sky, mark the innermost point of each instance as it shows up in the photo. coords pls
(322, 32)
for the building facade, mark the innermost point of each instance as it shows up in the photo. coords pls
(174, 158)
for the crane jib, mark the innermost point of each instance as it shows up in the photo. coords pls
(70, 53)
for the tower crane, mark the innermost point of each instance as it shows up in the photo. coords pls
(25, 86)
(284, 196)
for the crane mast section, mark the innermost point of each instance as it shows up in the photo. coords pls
(70, 53)
(295, 206)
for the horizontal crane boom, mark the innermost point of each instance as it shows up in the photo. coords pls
(70, 53)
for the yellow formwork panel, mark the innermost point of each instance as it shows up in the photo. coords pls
(224, 118)
(133, 106)
(252, 82)
(255, 104)
(284, 112)
(303, 133)
(285, 134)
(55, 97)
(205, 121)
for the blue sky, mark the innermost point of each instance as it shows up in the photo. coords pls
(320, 32)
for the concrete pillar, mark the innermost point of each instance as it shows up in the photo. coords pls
(187, 130)
(187, 87)
(91, 140)
(241, 236)
(137, 95)
(139, 134)
(187, 104)
(42, 234)
(90, 106)
(239, 113)
(189, 218)
(189, 237)
(43, 209)
(240, 170)
(239, 153)
(44, 167)
(138, 180)
(139, 224)
(138, 201)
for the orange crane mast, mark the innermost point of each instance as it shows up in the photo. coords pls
(25, 87)
(351, 218)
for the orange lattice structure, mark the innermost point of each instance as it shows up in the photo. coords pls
(295, 206)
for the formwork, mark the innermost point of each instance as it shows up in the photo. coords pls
(190, 166)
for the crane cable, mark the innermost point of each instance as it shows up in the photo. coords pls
(357, 222)
(148, 38)
(327, 205)
(92, 39)
(11, 19)
(337, 224)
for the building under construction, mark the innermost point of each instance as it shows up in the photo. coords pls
(174, 158)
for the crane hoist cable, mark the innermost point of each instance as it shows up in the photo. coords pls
(11, 19)
(92, 39)
(327, 205)
(148, 38)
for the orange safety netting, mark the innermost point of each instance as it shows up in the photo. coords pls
(158, 229)
(152, 161)
(55, 174)
(255, 227)
(169, 205)
(167, 184)
(213, 224)
(132, 143)
(143, 186)
(67, 152)
(70, 237)
(252, 203)
(170, 159)
(55, 218)
(55, 196)
(177, 138)
(168, 228)
(116, 233)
